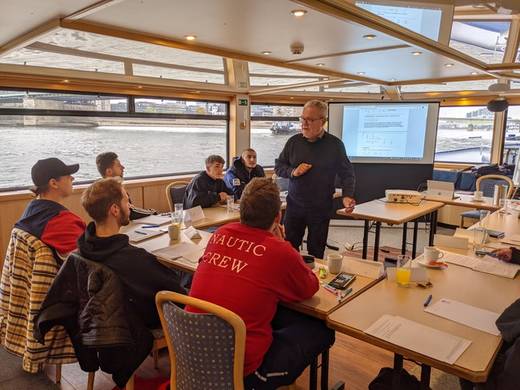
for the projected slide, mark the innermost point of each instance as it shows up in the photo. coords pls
(394, 131)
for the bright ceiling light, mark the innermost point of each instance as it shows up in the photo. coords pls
(190, 37)
(416, 53)
(369, 36)
(449, 65)
(320, 64)
(66, 81)
(298, 12)
(361, 73)
(266, 52)
(474, 73)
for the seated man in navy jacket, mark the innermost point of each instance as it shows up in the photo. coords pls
(242, 171)
(207, 188)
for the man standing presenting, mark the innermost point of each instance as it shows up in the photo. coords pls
(311, 160)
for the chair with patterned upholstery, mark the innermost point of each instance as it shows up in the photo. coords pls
(205, 349)
(175, 192)
(29, 269)
(486, 184)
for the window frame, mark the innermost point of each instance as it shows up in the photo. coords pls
(129, 113)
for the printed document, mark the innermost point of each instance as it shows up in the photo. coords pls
(419, 338)
(464, 314)
(139, 234)
(176, 251)
(486, 264)
(153, 220)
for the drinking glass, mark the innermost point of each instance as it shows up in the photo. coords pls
(479, 237)
(229, 204)
(178, 213)
(403, 271)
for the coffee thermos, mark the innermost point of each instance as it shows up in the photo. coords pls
(499, 194)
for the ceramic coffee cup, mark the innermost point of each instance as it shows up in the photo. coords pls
(334, 262)
(432, 254)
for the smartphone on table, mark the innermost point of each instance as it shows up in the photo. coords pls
(342, 280)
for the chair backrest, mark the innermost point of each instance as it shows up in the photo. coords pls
(175, 192)
(205, 348)
(28, 272)
(487, 183)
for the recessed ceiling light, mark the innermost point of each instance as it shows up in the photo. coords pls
(298, 12)
(479, 6)
(369, 36)
(320, 64)
(416, 53)
(266, 52)
(474, 73)
(190, 37)
(139, 86)
(361, 73)
(449, 65)
(66, 81)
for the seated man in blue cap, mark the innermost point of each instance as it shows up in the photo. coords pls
(46, 217)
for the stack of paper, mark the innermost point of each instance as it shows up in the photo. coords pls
(419, 338)
(486, 264)
(176, 251)
(468, 315)
(153, 220)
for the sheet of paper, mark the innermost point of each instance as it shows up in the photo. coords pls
(496, 267)
(419, 338)
(464, 314)
(193, 257)
(192, 233)
(511, 239)
(175, 251)
(153, 220)
(464, 261)
(140, 234)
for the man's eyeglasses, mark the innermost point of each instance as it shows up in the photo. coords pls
(309, 120)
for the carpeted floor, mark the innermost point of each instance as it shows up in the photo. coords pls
(12, 377)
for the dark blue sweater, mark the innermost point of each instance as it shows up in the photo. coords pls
(328, 158)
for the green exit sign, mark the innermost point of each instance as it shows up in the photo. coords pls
(242, 102)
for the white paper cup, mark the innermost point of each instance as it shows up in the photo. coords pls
(334, 262)
(174, 231)
(477, 195)
(432, 254)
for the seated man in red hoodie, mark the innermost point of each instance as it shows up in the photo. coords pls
(249, 269)
(46, 217)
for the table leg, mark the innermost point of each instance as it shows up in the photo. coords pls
(365, 239)
(433, 226)
(376, 241)
(325, 370)
(414, 243)
(398, 366)
(405, 234)
(425, 376)
(313, 375)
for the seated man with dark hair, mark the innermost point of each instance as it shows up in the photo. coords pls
(108, 165)
(207, 188)
(46, 217)
(141, 274)
(249, 269)
(242, 171)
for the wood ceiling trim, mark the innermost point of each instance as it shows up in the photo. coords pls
(92, 9)
(167, 42)
(347, 53)
(30, 37)
(279, 88)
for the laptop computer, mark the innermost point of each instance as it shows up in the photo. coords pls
(441, 189)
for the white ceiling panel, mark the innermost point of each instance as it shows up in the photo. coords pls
(249, 26)
(397, 64)
(18, 17)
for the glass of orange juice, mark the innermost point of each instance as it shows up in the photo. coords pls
(403, 271)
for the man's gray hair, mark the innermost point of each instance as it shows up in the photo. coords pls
(320, 105)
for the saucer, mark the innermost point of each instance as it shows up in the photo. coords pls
(437, 265)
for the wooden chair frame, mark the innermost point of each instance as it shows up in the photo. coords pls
(507, 179)
(168, 195)
(233, 319)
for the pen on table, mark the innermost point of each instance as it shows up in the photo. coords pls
(427, 301)
(141, 232)
(330, 289)
(149, 226)
(346, 292)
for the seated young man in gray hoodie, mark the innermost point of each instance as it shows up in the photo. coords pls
(141, 274)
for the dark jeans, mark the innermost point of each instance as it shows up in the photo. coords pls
(297, 340)
(298, 218)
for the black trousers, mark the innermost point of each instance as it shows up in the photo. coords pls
(297, 340)
(298, 218)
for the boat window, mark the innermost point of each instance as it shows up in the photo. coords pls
(512, 137)
(464, 134)
(271, 126)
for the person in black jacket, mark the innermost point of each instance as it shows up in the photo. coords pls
(141, 274)
(207, 188)
(312, 160)
(242, 171)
